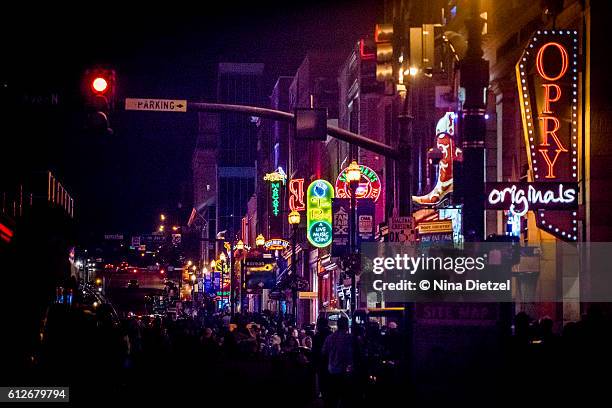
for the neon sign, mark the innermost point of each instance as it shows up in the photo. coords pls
(275, 188)
(518, 198)
(445, 131)
(278, 175)
(296, 197)
(369, 185)
(547, 76)
(276, 244)
(319, 215)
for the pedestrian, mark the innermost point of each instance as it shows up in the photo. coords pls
(338, 348)
(319, 362)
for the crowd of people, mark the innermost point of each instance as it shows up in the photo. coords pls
(253, 351)
(265, 358)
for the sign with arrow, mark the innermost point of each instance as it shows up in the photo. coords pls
(156, 105)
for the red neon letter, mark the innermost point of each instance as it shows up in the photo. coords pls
(296, 199)
(552, 132)
(550, 163)
(548, 99)
(540, 63)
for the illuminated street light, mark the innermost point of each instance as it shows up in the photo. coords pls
(260, 240)
(294, 217)
(161, 228)
(353, 174)
(413, 71)
(222, 257)
(193, 278)
(162, 217)
(213, 264)
(240, 245)
(189, 263)
(174, 228)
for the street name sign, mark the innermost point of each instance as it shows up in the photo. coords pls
(156, 105)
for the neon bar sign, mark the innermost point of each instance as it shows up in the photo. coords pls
(519, 198)
(276, 244)
(296, 195)
(319, 215)
(369, 185)
(547, 76)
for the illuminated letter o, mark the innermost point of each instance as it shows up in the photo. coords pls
(564, 61)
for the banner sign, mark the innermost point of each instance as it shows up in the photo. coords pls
(341, 208)
(434, 227)
(319, 215)
(366, 228)
(547, 79)
(401, 229)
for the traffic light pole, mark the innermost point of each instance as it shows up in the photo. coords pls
(475, 80)
(333, 131)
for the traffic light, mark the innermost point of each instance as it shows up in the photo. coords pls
(98, 90)
(383, 37)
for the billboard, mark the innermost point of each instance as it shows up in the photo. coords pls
(341, 208)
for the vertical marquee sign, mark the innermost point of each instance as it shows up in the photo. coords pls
(277, 181)
(547, 78)
(319, 215)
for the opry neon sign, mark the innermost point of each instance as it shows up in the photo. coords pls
(547, 79)
(518, 198)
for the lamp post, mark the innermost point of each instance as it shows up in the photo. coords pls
(222, 259)
(193, 279)
(239, 247)
(213, 265)
(353, 175)
(294, 221)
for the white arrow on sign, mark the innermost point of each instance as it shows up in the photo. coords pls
(156, 105)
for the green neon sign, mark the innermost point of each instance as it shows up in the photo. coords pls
(319, 214)
(275, 187)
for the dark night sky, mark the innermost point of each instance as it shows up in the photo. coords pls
(121, 182)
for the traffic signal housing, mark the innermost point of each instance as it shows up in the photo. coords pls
(383, 37)
(98, 90)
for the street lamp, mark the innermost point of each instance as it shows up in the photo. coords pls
(294, 221)
(260, 240)
(353, 175)
(239, 245)
(193, 278)
(222, 259)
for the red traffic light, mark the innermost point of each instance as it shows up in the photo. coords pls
(99, 85)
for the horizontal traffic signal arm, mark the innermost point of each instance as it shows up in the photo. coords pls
(333, 131)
